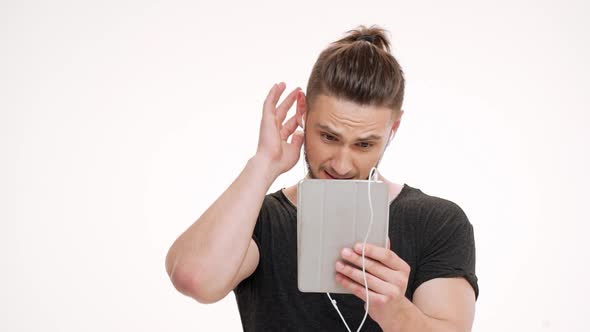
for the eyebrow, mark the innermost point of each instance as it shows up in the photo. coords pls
(335, 133)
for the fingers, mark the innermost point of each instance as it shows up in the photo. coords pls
(272, 98)
(289, 127)
(278, 114)
(359, 290)
(297, 140)
(284, 107)
(269, 107)
(383, 255)
(376, 268)
(375, 284)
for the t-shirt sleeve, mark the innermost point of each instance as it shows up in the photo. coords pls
(257, 233)
(258, 239)
(448, 247)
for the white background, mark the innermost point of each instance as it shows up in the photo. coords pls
(122, 121)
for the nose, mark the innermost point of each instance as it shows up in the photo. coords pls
(342, 163)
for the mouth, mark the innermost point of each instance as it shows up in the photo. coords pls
(329, 176)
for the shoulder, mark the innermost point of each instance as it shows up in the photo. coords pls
(276, 200)
(434, 213)
(275, 205)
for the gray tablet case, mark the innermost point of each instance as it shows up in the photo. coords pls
(331, 215)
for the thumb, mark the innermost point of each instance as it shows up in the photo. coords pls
(297, 139)
(388, 243)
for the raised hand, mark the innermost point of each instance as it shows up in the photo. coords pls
(272, 142)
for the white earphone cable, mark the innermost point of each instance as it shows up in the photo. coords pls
(371, 179)
(340, 314)
(373, 169)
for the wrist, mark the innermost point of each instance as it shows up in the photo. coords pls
(264, 165)
(403, 318)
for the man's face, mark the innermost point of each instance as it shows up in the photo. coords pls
(344, 140)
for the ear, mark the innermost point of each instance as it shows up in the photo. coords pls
(301, 109)
(394, 128)
(397, 121)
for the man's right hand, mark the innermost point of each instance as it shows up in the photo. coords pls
(272, 142)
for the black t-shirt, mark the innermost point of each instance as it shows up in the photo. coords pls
(433, 235)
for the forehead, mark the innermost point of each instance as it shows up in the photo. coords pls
(347, 116)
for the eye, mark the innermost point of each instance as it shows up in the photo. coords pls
(328, 137)
(365, 145)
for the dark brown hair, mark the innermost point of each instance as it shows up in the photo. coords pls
(359, 67)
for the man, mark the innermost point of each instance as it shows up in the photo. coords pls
(246, 240)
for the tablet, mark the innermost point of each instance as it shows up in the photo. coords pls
(332, 215)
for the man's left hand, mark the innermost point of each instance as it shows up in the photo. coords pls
(387, 279)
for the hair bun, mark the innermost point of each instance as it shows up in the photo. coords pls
(369, 38)
(374, 35)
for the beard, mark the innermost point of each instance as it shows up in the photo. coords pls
(310, 172)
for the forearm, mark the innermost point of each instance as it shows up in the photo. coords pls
(410, 318)
(212, 249)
